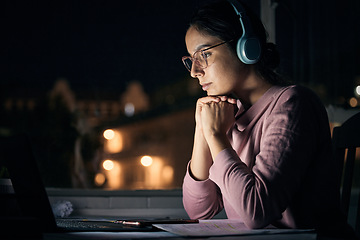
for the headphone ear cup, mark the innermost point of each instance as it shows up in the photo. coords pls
(248, 50)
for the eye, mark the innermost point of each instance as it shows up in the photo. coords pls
(207, 54)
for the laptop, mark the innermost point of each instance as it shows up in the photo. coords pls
(28, 209)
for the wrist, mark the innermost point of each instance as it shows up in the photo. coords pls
(217, 143)
(214, 136)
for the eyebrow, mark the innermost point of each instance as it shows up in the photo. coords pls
(201, 46)
(208, 46)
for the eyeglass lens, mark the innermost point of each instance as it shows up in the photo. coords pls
(199, 59)
(188, 63)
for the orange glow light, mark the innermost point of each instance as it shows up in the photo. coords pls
(109, 134)
(146, 161)
(99, 179)
(108, 165)
(353, 102)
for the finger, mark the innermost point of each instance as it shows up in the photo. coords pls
(223, 98)
(208, 99)
(231, 100)
(227, 99)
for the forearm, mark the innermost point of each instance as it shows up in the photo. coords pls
(217, 143)
(201, 199)
(201, 160)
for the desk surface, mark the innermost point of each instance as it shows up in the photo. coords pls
(165, 235)
(206, 229)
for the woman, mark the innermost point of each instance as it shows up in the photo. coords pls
(262, 149)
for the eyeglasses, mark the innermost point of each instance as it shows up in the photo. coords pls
(200, 57)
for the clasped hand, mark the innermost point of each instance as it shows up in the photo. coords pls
(215, 115)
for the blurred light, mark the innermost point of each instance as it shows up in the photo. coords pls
(129, 109)
(109, 134)
(116, 143)
(353, 102)
(146, 161)
(99, 179)
(115, 177)
(168, 174)
(108, 165)
(357, 90)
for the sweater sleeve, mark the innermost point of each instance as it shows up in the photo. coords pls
(201, 199)
(260, 195)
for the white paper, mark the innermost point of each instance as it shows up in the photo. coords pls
(111, 235)
(223, 227)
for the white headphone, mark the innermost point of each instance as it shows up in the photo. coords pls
(248, 47)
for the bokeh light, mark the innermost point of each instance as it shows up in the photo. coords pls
(357, 90)
(353, 102)
(146, 161)
(108, 165)
(109, 134)
(99, 179)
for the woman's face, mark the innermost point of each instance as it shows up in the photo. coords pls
(225, 71)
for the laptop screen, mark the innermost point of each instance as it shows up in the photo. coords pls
(29, 192)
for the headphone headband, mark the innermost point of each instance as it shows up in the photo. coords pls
(248, 47)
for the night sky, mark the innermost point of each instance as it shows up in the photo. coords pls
(94, 44)
(103, 45)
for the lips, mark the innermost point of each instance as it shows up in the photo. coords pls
(205, 86)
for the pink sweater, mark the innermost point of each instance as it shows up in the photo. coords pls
(279, 171)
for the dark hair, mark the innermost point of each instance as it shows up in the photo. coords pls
(220, 20)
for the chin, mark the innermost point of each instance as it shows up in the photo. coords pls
(210, 93)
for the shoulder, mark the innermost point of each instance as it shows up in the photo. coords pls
(294, 91)
(296, 102)
(297, 95)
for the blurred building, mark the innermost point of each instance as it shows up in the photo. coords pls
(70, 125)
(129, 140)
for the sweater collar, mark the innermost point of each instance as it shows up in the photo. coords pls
(245, 117)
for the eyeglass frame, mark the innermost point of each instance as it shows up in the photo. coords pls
(203, 54)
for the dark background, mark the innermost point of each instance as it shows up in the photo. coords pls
(103, 45)
(94, 44)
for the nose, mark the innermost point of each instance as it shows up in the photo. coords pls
(196, 71)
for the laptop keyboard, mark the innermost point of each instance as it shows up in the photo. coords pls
(84, 224)
(71, 224)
